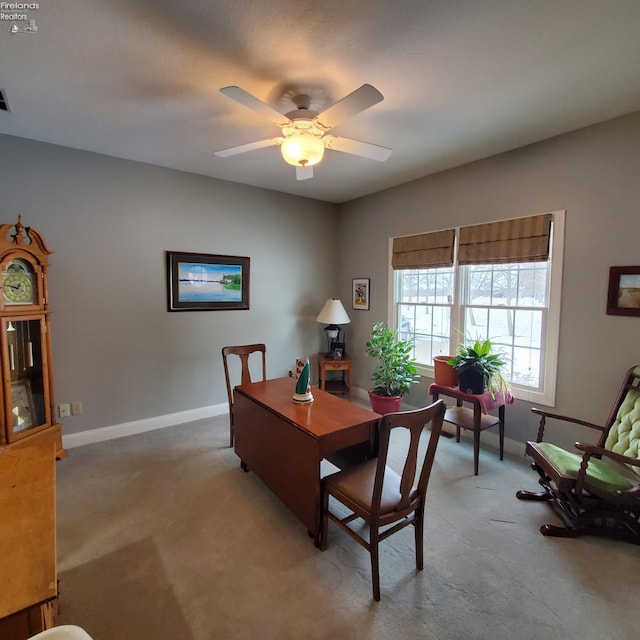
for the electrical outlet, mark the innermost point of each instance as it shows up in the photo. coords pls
(76, 408)
(64, 410)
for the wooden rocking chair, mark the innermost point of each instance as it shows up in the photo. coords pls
(595, 491)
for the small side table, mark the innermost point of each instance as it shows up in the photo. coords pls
(341, 385)
(475, 419)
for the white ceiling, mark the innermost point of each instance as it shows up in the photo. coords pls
(462, 79)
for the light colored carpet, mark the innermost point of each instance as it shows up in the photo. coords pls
(162, 536)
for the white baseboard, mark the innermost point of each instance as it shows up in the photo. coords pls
(140, 426)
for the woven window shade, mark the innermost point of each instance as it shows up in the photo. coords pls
(519, 240)
(424, 250)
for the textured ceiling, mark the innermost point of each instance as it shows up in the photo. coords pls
(462, 80)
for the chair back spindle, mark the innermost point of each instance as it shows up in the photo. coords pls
(243, 352)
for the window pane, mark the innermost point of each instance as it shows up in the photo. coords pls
(406, 321)
(480, 284)
(535, 285)
(526, 367)
(500, 326)
(528, 329)
(476, 324)
(408, 286)
(428, 326)
(441, 291)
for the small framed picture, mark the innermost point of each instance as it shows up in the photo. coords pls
(360, 294)
(623, 298)
(337, 354)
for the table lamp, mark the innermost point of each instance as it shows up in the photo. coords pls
(333, 314)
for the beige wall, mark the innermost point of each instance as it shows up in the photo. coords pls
(593, 173)
(109, 221)
(115, 347)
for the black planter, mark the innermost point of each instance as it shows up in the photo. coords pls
(471, 380)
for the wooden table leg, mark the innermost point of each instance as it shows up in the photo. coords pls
(501, 427)
(476, 436)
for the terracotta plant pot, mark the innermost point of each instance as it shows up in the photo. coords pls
(384, 404)
(444, 374)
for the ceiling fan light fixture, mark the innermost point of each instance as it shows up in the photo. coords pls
(304, 130)
(302, 149)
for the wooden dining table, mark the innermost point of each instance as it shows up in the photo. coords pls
(284, 442)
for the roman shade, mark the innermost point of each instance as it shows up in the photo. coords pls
(517, 240)
(423, 251)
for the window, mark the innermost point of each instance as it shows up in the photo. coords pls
(508, 294)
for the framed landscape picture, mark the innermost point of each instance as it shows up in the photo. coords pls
(624, 291)
(360, 294)
(206, 282)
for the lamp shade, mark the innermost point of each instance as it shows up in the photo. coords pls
(333, 313)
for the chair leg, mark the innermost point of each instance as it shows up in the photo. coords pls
(501, 430)
(476, 450)
(375, 568)
(324, 519)
(418, 525)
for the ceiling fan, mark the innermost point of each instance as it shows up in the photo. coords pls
(304, 131)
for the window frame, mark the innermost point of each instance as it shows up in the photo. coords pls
(551, 332)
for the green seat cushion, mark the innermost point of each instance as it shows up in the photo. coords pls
(601, 474)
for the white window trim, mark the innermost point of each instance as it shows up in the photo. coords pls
(547, 396)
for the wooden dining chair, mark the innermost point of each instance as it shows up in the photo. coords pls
(385, 500)
(243, 352)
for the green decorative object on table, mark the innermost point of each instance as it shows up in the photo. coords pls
(303, 393)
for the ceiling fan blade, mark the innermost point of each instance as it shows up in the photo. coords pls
(241, 96)
(304, 173)
(357, 148)
(359, 100)
(251, 146)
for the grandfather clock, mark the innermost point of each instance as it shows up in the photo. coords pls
(30, 438)
(27, 379)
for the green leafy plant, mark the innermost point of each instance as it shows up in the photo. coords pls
(478, 355)
(395, 371)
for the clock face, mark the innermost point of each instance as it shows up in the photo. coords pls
(18, 283)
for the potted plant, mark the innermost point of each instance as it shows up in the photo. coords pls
(479, 369)
(394, 373)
